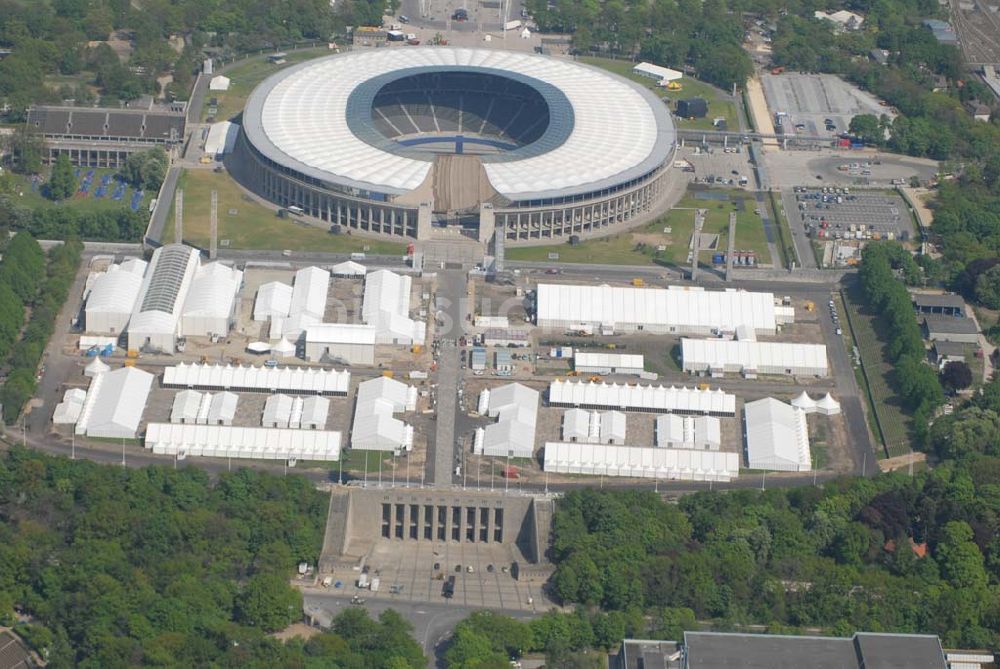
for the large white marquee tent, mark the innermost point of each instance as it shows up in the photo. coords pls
(386, 306)
(375, 428)
(112, 297)
(640, 462)
(115, 403)
(753, 357)
(697, 432)
(515, 407)
(777, 436)
(211, 301)
(226, 441)
(658, 399)
(300, 380)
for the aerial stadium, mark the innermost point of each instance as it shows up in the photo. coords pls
(400, 141)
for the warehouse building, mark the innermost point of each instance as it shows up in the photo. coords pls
(154, 323)
(951, 328)
(750, 358)
(257, 443)
(674, 310)
(515, 407)
(594, 427)
(386, 306)
(652, 399)
(347, 343)
(695, 432)
(236, 378)
(111, 297)
(375, 428)
(115, 403)
(608, 363)
(211, 301)
(640, 462)
(777, 437)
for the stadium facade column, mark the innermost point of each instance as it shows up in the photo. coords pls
(487, 222)
(424, 219)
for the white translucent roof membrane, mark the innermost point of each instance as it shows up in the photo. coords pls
(298, 118)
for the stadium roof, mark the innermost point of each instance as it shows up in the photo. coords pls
(610, 129)
(655, 307)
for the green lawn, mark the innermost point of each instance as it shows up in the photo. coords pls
(892, 421)
(245, 77)
(21, 187)
(639, 246)
(719, 103)
(254, 226)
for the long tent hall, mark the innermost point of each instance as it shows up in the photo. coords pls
(307, 304)
(226, 441)
(674, 310)
(111, 297)
(640, 462)
(114, 404)
(375, 428)
(655, 399)
(296, 380)
(594, 427)
(777, 436)
(386, 305)
(718, 356)
(608, 363)
(352, 343)
(154, 323)
(515, 407)
(274, 300)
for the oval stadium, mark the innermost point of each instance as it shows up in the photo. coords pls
(400, 141)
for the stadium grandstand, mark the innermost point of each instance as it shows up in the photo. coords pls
(399, 142)
(94, 137)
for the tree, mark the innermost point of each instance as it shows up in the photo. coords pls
(956, 375)
(62, 183)
(269, 603)
(26, 146)
(960, 559)
(987, 289)
(867, 128)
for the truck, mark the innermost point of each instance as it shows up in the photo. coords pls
(375, 583)
(448, 589)
(363, 581)
(395, 36)
(512, 25)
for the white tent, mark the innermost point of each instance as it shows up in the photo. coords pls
(513, 435)
(348, 268)
(760, 357)
(274, 299)
(186, 406)
(111, 297)
(219, 83)
(211, 300)
(221, 409)
(95, 367)
(804, 402)
(221, 138)
(315, 411)
(594, 427)
(386, 305)
(777, 436)
(304, 380)
(374, 427)
(68, 411)
(828, 406)
(115, 404)
(277, 411)
(641, 398)
(284, 349)
(640, 462)
(697, 432)
(259, 347)
(155, 320)
(225, 441)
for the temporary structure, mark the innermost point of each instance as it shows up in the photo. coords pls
(828, 406)
(284, 349)
(804, 402)
(96, 366)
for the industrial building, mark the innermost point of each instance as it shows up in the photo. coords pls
(211, 301)
(515, 407)
(236, 378)
(652, 399)
(348, 343)
(694, 432)
(640, 462)
(375, 428)
(95, 137)
(608, 363)
(386, 306)
(257, 443)
(154, 324)
(111, 295)
(115, 403)
(594, 427)
(750, 358)
(674, 310)
(777, 437)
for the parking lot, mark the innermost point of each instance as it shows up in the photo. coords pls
(844, 213)
(810, 100)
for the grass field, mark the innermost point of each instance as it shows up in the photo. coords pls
(245, 77)
(254, 226)
(894, 424)
(21, 187)
(638, 246)
(719, 104)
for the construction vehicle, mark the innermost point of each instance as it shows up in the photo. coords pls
(674, 86)
(416, 348)
(573, 373)
(595, 379)
(388, 373)
(130, 363)
(132, 353)
(703, 386)
(638, 283)
(810, 305)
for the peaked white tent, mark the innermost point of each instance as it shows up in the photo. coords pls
(804, 402)
(513, 435)
(374, 427)
(95, 367)
(828, 406)
(68, 411)
(349, 269)
(284, 349)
